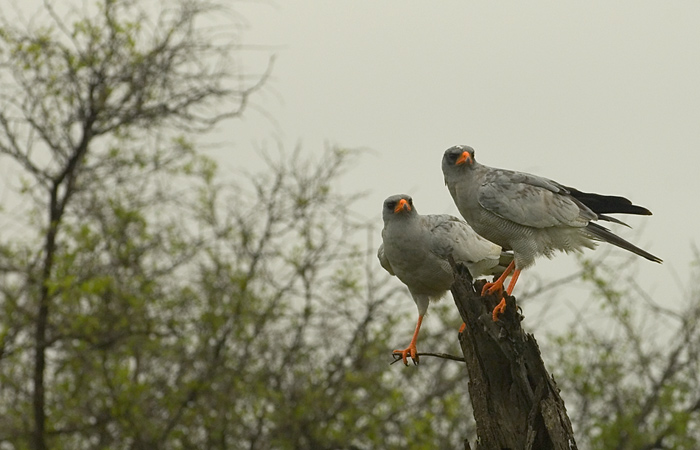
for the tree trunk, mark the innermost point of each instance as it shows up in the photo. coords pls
(516, 402)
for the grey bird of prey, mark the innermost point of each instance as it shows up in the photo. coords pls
(416, 248)
(531, 215)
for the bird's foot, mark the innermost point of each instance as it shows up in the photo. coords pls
(464, 325)
(492, 288)
(405, 353)
(499, 309)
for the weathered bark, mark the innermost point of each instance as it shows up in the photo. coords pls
(516, 402)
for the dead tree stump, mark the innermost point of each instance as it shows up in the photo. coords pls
(516, 402)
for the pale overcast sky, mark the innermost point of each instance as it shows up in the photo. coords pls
(603, 96)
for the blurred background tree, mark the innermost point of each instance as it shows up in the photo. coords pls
(148, 303)
(628, 367)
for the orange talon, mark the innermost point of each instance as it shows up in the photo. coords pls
(411, 349)
(405, 353)
(501, 307)
(464, 325)
(497, 286)
(492, 288)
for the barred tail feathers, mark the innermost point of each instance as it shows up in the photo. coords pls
(605, 235)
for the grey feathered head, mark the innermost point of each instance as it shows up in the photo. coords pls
(456, 159)
(458, 155)
(400, 205)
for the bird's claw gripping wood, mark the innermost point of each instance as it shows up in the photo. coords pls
(497, 286)
(499, 309)
(409, 351)
(492, 288)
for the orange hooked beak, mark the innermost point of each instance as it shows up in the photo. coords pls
(401, 205)
(465, 157)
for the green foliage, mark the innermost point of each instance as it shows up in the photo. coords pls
(223, 316)
(629, 374)
(147, 304)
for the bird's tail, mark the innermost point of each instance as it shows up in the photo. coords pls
(603, 234)
(604, 204)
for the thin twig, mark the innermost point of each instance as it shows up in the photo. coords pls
(398, 358)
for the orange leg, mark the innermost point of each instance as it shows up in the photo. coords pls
(464, 325)
(411, 349)
(501, 307)
(497, 286)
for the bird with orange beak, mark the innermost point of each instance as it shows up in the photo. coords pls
(416, 248)
(531, 215)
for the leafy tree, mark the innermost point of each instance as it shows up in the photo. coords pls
(73, 94)
(148, 304)
(628, 370)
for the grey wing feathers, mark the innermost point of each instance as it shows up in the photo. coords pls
(450, 235)
(531, 201)
(511, 176)
(384, 261)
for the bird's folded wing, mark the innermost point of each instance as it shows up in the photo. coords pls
(531, 201)
(384, 261)
(450, 235)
